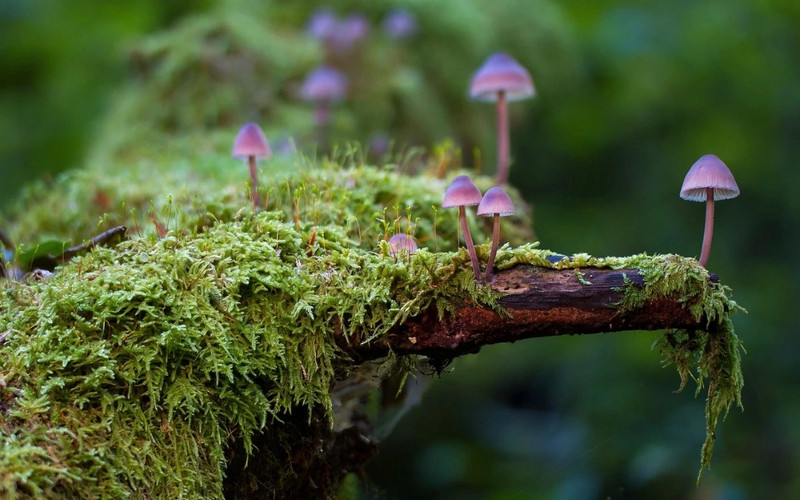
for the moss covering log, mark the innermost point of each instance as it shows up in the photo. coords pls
(137, 369)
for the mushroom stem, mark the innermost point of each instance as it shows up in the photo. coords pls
(251, 160)
(462, 215)
(502, 138)
(709, 229)
(322, 117)
(495, 244)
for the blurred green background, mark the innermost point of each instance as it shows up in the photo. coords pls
(630, 94)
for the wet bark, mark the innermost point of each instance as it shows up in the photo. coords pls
(537, 302)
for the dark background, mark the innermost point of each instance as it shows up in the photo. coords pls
(630, 94)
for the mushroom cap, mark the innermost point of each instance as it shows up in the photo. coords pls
(461, 192)
(401, 242)
(400, 24)
(324, 84)
(501, 72)
(352, 30)
(322, 24)
(709, 172)
(496, 201)
(250, 141)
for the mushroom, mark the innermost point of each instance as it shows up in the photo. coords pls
(379, 146)
(323, 86)
(709, 179)
(400, 24)
(495, 203)
(350, 32)
(461, 193)
(501, 79)
(322, 25)
(251, 143)
(402, 243)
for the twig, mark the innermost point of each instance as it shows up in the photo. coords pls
(50, 261)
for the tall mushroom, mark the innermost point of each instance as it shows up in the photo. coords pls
(501, 79)
(461, 193)
(323, 87)
(251, 143)
(709, 179)
(495, 203)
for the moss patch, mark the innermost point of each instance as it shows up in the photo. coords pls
(132, 370)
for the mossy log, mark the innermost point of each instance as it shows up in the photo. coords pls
(539, 302)
(244, 337)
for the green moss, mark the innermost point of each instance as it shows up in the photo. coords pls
(132, 368)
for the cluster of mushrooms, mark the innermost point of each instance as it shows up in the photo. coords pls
(500, 79)
(340, 39)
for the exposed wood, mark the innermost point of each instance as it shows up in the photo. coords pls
(538, 302)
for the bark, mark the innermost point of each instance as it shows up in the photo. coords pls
(537, 302)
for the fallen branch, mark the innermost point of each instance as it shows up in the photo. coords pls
(537, 302)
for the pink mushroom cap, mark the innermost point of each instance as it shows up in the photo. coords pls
(251, 141)
(461, 192)
(352, 30)
(402, 242)
(400, 24)
(501, 73)
(322, 24)
(324, 84)
(709, 172)
(496, 201)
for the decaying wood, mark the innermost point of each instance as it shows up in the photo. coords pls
(538, 302)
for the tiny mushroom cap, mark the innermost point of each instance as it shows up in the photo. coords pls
(402, 242)
(709, 173)
(251, 142)
(496, 201)
(324, 84)
(400, 24)
(322, 24)
(501, 73)
(352, 30)
(461, 192)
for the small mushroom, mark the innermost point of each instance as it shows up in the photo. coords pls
(350, 32)
(400, 24)
(495, 203)
(251, 143)
(501, 79)
(379, 146)
(322, 25)
(402, 243)
(461, 193)
(709, 179)
(323, 87)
